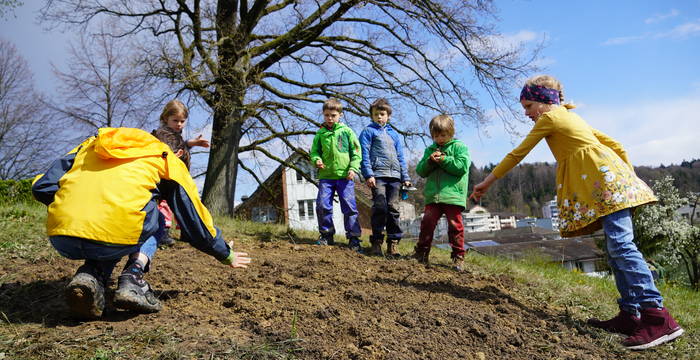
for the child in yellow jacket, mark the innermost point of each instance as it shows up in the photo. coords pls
(596, 187)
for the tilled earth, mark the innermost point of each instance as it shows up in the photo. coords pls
(296, 300)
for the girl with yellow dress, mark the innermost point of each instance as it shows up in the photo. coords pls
(596, 188)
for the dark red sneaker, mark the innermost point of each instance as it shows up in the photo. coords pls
(623, 323)
(657, 327)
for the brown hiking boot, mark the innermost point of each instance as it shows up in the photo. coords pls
(458, 263)
(421, 256)
(392, 248)
(376, 249)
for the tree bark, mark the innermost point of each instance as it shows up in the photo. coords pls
(220, 184)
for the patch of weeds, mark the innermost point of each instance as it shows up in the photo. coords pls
(151, 337)
(105, 354)
(294, 331)
(280, 350)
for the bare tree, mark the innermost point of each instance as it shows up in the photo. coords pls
(8, 6)
(102, 86)
(27, 130)
(263, 67)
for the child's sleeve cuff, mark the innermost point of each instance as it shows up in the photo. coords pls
(230, 259)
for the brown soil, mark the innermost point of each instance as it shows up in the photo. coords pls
(302, 300)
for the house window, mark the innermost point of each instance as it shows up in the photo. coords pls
(306, 209)
(264, 214)
(307, 169)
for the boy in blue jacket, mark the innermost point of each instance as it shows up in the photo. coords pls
(384, 168)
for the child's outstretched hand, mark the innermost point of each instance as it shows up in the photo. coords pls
(198, 141)
(481, 188)
(319, 164)
(478, 192)
(241, 259)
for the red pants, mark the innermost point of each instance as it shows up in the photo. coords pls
(167, 213)
(455, 228)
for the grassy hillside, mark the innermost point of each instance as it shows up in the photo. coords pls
(300, 301)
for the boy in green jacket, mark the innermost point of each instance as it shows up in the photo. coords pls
(445, 164)
(337, 153)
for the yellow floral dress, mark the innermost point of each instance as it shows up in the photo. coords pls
(594, 175)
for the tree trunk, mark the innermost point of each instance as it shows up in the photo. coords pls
(222, 170)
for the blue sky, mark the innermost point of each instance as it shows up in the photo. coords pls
(630, 66)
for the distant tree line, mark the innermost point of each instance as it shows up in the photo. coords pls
(527, 187)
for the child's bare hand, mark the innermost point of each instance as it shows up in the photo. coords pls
(479, 191)
(198, 141)
(319, 164)
(436, 156)
(371, 183)
(240, 259)
(351, 175)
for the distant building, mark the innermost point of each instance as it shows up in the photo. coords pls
(579, 253)
(476, 219)
(688, 211)
(535, 222)
(551, 211)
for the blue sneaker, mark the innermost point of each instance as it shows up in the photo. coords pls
(355, 244)
(323, 240)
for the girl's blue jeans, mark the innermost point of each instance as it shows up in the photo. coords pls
(324, 207)
(632, 275)
(100, 256)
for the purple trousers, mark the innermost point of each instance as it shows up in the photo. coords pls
(324, 207)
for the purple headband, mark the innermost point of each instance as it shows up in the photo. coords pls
(540, 94)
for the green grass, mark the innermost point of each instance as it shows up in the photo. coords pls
(23, 232)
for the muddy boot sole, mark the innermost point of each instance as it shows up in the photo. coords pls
(85, 296)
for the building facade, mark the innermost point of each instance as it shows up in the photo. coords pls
(551, 211)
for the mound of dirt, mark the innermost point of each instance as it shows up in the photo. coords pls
(315, 302)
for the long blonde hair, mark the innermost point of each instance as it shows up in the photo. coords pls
(551, 83)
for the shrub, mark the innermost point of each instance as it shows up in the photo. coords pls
(16, 191)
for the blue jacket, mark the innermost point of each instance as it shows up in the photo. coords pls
(382, 153)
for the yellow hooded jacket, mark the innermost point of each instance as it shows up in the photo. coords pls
(106, 190)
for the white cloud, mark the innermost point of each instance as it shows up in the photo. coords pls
(682, 31)
(624, 40)
(653, 133)
(661, 17)
(515, 40)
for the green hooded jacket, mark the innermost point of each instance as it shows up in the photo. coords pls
(339, 150)
(446, 181)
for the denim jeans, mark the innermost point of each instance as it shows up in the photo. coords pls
(632, 275)
(455, 228)
(385, 212)
(98, 255)
(324, 207)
